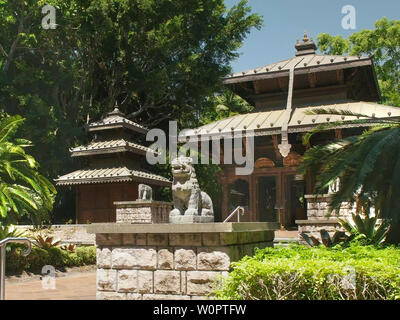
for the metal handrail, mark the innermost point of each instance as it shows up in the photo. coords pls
(239, 210)
(3, 245)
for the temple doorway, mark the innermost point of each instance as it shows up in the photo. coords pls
(267, 196)
(239, 195)
(295, 206)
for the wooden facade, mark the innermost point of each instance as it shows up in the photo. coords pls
(282, 94)
(95, 202)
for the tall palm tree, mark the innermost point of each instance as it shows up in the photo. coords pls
(367, 165)
(23, 190)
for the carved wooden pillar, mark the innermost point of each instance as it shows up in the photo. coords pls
(253, 198)
(77, 203)
(338, 134)
(225, 201)
(307, 177)
(275, 142)
(221, 151)
(280, 192)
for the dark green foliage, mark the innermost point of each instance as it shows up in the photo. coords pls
(54, 256)
(366, 229)
(160, 59)
(367, 165)
(24, 192)
(300, 273)
(9, 232)
(223, 105)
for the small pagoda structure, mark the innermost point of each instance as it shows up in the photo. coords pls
(115, 168)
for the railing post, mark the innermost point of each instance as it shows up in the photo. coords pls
(239, 211)
(2, 271)
(3, 245)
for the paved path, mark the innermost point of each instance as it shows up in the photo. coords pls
(286, 234)
(71, 287)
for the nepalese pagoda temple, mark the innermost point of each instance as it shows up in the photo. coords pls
(281, 93)
(115, 169)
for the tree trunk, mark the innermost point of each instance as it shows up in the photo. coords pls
(393, 236)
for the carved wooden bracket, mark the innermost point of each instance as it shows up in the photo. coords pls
(292, 160)
(275, 142)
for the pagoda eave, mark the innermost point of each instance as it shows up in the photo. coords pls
(270, 122)
(298, 71)
(112, 180)
(96, 128)
(111, 175)
(84, 153)
(111, 147)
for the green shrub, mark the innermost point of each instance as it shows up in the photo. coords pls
(54, 256)
(87, 254)
(300, 273)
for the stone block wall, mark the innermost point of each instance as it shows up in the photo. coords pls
(180, 266)
(318, 218)
(317, 208)
(142, 211)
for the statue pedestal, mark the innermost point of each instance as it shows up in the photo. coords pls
(190, 219)
(166, 261)
(142, 211)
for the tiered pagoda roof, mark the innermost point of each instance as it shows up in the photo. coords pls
(113, 157)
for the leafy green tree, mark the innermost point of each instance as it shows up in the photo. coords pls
(24, 192)
(383, 44)
(160, 59)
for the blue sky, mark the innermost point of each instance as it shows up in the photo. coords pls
(286, 20)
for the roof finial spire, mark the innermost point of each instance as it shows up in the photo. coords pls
(116, 110)
(305, 38)
(116, 106)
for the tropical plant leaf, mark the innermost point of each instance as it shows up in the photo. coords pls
(326, 238)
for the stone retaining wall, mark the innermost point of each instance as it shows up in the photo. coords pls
(67, 233)
(318, 206)
(180, 264)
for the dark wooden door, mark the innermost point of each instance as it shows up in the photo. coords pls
(294, 191)
(267, 198)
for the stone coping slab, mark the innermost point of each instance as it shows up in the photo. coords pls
(315, 221)
(181, 228)
(141, 203)
(318, 196)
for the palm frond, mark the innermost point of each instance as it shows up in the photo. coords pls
(23, 190)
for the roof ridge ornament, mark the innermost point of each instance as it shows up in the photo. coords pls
(306, 47)
(116, 111)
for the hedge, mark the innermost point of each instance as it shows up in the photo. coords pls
(300, 273)
(54, 256)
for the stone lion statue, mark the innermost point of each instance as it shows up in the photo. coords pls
(189, 200)
(145, 192)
